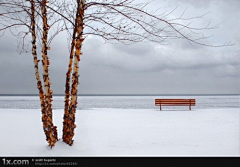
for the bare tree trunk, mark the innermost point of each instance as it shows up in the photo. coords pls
(34, 53)
(51, 130)
(69, 117)
(67, 85)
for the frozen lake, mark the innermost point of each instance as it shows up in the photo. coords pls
(121, 102)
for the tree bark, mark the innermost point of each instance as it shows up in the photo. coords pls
(49, 129)
(67, 85)
(69, 116)
(35, 60)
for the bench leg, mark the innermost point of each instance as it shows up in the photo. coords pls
(160, 107)
(190, 107)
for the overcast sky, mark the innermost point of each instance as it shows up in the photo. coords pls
(142, 68)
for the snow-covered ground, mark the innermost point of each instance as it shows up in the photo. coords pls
(126, 132)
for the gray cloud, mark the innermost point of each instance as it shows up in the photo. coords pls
(142, 67)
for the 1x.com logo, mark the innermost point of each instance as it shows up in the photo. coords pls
(8, 162)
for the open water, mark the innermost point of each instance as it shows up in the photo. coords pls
(123, 102)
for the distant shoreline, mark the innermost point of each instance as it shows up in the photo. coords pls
(127, 95)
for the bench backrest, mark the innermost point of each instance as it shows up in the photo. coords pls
(175, 102)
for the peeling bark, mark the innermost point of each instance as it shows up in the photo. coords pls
(50, 129)
(68, 78)
(69, 115)
(35, 60)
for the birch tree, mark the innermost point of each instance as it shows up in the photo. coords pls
(48, 127)
(20, 16)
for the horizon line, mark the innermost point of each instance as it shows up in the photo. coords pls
(203, 94)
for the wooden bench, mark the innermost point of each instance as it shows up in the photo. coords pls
(175, 102)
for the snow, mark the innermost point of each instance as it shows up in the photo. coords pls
(125, 132)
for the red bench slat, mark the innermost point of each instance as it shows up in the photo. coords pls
(175, 102)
